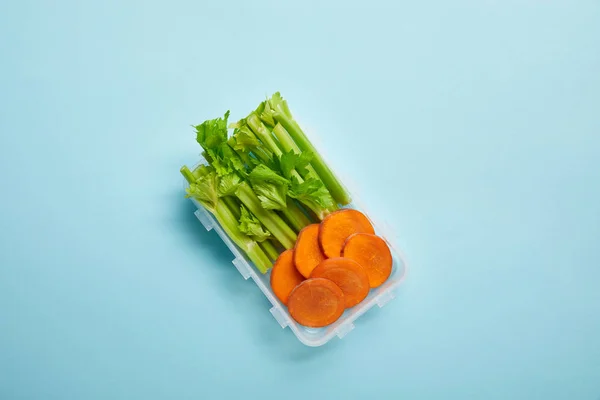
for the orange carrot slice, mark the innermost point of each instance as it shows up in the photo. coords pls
(373, 254)
(338, 226)
(307, 253)
(284, 276)
(316, 302)
(348, 275)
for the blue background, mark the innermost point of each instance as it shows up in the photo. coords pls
(472, 126)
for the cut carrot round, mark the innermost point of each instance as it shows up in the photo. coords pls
(316, 302)
(284, 276)
(338, 226)
(307, 252)
(373, 254)
(349, 275)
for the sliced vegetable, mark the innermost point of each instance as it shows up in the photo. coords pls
(338, 226)
(348, 275)
(307, 253)
(316, 302)
(284, 276)
(373, 254)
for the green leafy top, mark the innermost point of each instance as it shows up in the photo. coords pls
(243, 139)
(278, 105)
(270, 188)
(290, 161)
(229, 184)
(246, 142)
(265, 113)
(205, 190)
(265, 174)
(251, 226)
(313, 194)
(226, 160)
(212, 133)
(212, 136)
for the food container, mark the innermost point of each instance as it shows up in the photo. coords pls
(379, 296)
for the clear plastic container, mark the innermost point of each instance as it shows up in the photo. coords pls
(315, 336)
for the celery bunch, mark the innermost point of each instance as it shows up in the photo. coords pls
(264, 182)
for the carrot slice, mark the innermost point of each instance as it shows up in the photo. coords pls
(338, 226)
(316, 302)
(349, 275)
(284, 276)
(307, 252)
(373, 254)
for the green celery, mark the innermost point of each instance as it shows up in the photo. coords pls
(204, 190)
(273, 222)
(294, 215)
(269, 249)
(251, 226)
(282, 114)
(288, 144)
(261, 131)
